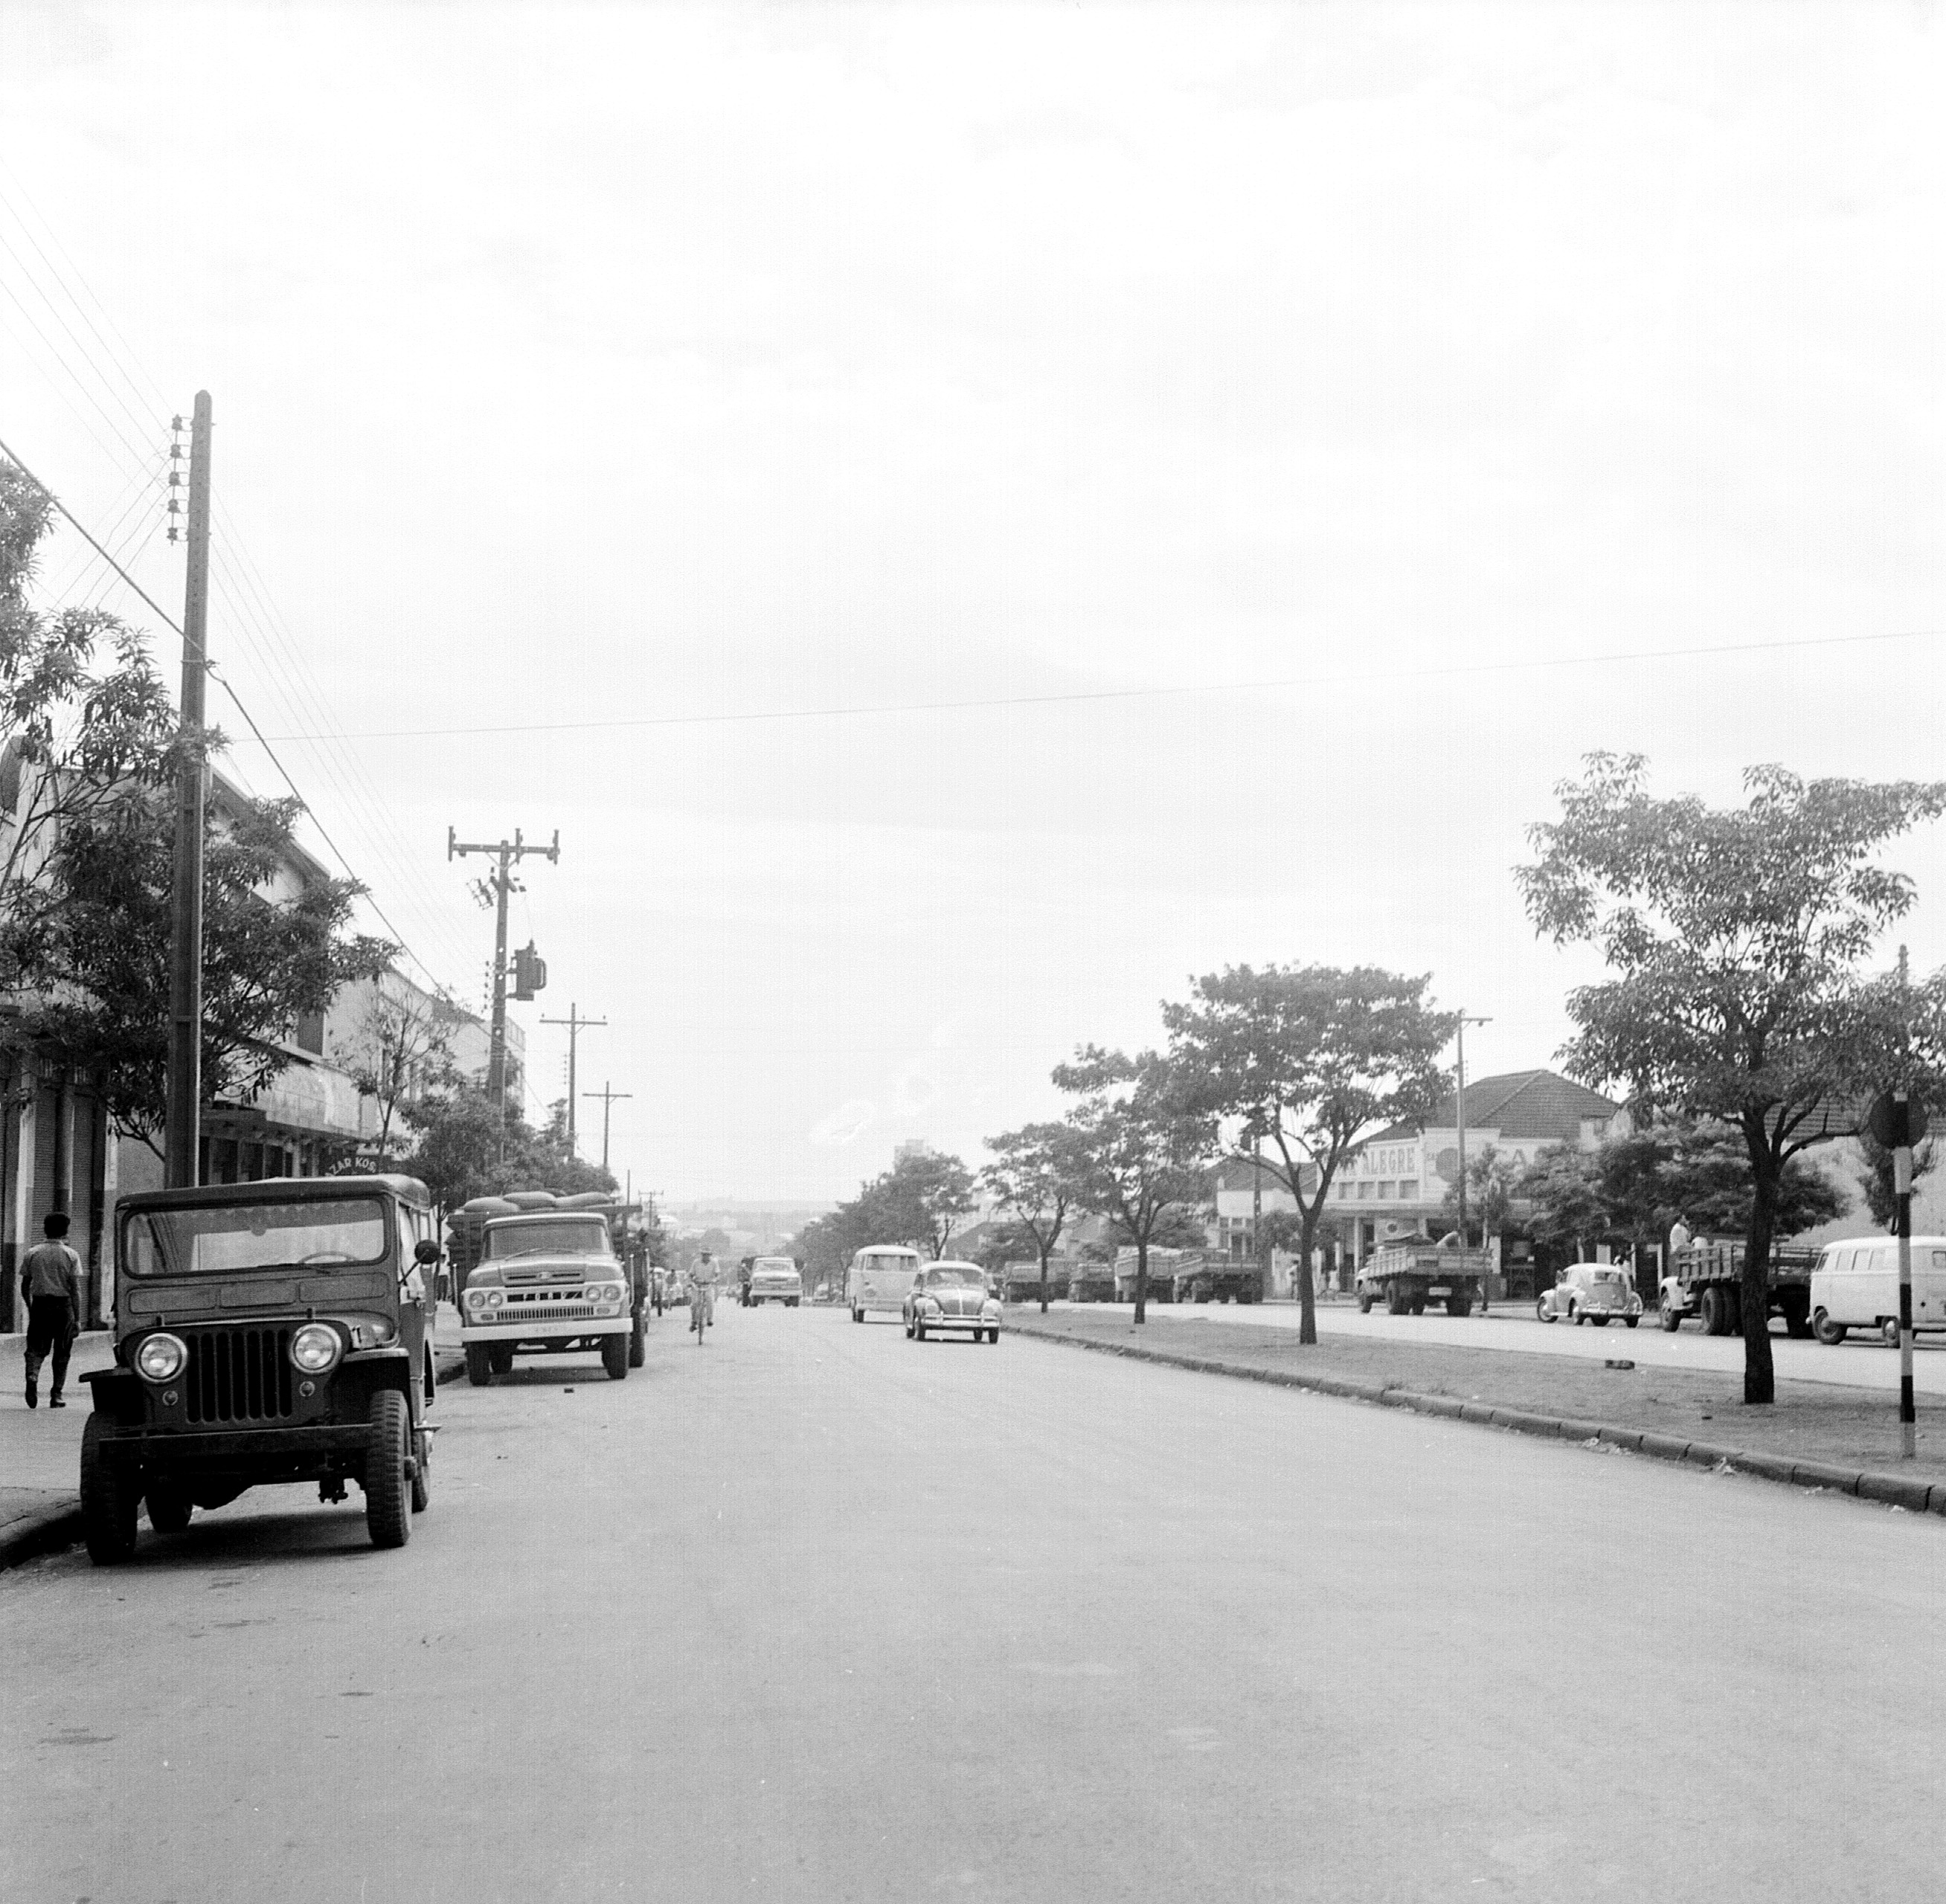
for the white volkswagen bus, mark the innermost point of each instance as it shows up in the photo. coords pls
(1855, 1285)
(877, 1280)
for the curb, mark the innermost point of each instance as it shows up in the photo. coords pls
(1916, 1496)
(58, 1525)
(41, 1531)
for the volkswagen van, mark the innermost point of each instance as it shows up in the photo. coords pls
(277, 1331)
(1855, 1284)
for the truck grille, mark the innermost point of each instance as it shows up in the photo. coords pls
(237, 1375)
(538, 1309)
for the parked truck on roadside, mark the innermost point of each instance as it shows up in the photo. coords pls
(537, 1274)
(1407, 1276)
(1705, 1280)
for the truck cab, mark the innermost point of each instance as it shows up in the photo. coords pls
(272, 1331)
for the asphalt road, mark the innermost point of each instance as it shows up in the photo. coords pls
(1861, 1363)
(815, 1612)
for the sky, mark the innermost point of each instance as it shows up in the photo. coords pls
(966, 520)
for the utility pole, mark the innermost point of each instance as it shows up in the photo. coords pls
(509, 853)
(1459, 1108)
(576, 1025)
(184, 1123)
(608, 1098)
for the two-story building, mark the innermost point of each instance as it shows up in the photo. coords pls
(1396, 1184)
(58, 1150)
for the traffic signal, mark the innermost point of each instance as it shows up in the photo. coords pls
(529, 972)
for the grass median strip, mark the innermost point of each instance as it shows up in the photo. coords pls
(1815, 1434)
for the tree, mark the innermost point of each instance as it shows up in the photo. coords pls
(466, 1148)
(1490, 1179)
(98, 964)
(86, 714)
(1141, 1146)
(1035, 1173)
(1875, 1180)
(399, 1037)
(1735, 938)
(1313, 1059)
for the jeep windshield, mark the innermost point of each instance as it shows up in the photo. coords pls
(551, 1238)
(232, 1236)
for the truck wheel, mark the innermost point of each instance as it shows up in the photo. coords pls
(1715, 1307)
(107, 1500)
(501, 1356)
(388, 1514)
(1669, 1315)
(1459, 1305)
(421, 1472)
(1364, 1302)
(615, 1357)
(1395, 1300)
(1795, 1306)
(169, 1508)
(637, 1352)
(479, 1365)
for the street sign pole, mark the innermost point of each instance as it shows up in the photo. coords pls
(1897, 1123)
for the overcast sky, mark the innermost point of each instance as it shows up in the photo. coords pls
(1071, 498)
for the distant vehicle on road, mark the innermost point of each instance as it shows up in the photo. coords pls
(1705, 1280)
(1408, 1276)
(879, 1280)
(278, 1330)
(1591, 1292)
(1855, 1284)
(952, 1295)
(773, 1278)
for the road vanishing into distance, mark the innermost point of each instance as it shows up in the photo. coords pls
(815, 1612)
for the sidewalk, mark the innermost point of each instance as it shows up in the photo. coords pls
(40, 1449)
(1815, 1434)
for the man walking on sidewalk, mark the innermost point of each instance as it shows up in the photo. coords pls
(51, 1285)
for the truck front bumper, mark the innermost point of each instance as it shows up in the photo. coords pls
(546, 1328)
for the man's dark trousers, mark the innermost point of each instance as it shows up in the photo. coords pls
(50, 1326)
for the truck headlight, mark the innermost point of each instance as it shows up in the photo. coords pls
(476, 1299)
(160, 1357)
(316, 1347)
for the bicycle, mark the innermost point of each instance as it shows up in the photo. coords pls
(699, 1306)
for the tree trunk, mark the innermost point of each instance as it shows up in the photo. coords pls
(1043, 1278)
(1142, 1278)
(1307, 1300)
(1759, 1372)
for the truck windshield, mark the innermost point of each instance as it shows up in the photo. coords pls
(549, 1240)
(235, 1237)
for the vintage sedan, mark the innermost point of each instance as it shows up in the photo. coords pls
(949, 1295)
(1591, 1292)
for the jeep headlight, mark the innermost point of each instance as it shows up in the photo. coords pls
(316, 1347)
(160, 1357)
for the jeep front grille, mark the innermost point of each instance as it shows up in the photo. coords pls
(237, 1375)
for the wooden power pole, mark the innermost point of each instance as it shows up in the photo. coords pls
(508, 853)
(184, 1124)
(608, 1098)
(576, 1025)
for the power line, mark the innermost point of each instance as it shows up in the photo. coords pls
(978, 703)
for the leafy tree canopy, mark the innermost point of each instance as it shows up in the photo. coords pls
(1142, 1145)
(462, 1152)
(1311, 1060)
(1735, 940)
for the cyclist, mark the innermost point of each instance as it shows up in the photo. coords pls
(703, 1294)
